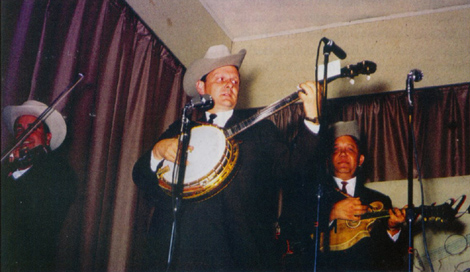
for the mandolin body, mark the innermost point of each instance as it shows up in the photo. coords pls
(347, 233)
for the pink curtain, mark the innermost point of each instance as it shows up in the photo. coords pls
(130, 93)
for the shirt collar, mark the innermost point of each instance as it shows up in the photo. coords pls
(351, 187)
(18, 173)
(222, 117)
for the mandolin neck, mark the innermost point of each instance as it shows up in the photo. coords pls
(375, 215)
(382, 214)
(261, 114)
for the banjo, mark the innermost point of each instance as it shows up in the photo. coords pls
(212, 164)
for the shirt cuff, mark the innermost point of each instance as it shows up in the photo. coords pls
(394, 237)
(154, 163)
(312, 127)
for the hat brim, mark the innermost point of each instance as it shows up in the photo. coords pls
(201, 67)
(55, 122)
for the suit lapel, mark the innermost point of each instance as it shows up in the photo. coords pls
(232, 120)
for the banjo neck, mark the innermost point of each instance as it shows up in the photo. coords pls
(261, 114)
(364, 67)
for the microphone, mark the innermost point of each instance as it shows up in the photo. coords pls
(416, 75)
(330, 46)
(203, 102)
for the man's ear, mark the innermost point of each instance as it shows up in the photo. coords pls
(200, 87)
(361, 160)
(48, 138)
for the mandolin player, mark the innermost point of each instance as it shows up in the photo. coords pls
(352, 244)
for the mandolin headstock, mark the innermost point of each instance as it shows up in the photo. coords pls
(443, 213)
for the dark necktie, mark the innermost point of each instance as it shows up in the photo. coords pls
(211, 118)
(343, 189)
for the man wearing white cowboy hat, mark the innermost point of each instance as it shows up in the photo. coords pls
(37, 189)
(233, 229)
(18, 118)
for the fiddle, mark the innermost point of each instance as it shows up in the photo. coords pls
(44, 115)
(27, 157)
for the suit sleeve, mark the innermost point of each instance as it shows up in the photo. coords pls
(142, 174)
(299, 194)
(392, 256)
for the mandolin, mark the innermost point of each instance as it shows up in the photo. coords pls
(347, 233)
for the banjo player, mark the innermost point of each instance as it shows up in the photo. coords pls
(234, 228)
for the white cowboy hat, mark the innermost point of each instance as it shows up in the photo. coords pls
(55, 122)
(216, 56)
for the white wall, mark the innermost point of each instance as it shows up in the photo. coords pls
(438, 44)
(185, 27)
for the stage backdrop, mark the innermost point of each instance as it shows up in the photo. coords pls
(441, 129)
(132, 91)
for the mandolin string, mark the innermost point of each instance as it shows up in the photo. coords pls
(368, 215)
(376, 215)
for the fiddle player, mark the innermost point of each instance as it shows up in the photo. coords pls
(383, 246)
(37, 190)
(234, 229)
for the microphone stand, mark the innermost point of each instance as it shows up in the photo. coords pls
(323, 127)
(414, 75)
(178, 176)
(203, 102)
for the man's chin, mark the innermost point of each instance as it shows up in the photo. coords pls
(343, 171)
(227, 105)
(343, 165)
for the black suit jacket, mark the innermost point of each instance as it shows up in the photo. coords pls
(34, 208)
(233, 230)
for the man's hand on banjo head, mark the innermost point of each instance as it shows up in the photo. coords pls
(166, 149)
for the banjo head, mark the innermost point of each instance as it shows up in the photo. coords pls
(209, 166)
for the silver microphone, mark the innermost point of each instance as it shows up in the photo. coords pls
(416, 75)
(203, 102)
